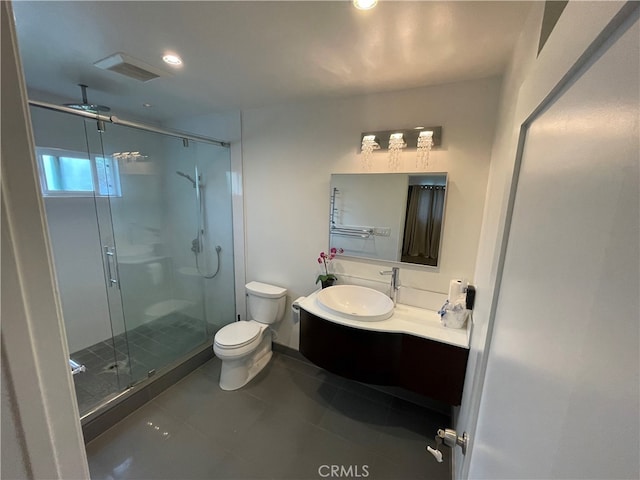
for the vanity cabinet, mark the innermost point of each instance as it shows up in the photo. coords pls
(424, 366)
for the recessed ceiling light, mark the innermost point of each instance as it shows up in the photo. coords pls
(172, 59)
(364, 4)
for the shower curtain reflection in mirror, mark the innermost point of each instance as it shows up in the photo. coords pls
(423, 224)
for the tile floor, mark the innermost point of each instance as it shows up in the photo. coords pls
(114, 364)
(293, 421)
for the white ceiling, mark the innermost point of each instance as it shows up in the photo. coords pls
(247, 54)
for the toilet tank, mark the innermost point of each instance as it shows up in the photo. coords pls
(266, 302)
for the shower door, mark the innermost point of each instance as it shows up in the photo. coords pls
(171, 244)
(74, 190)
(141, 233)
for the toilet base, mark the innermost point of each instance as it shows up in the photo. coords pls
(236, 373)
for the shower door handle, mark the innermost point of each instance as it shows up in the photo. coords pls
(108, 258)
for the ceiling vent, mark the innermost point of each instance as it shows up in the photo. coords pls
(130, 67)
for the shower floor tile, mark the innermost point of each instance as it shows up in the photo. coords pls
(289, 422)
(114, 364)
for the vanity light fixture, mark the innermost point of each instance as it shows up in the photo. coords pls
(365, 4)
(396, 144)
(423, 139)
(369, 144)
(425, 142)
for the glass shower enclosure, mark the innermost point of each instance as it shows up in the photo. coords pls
(141, 232)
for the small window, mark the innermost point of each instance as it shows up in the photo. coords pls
(74, 174)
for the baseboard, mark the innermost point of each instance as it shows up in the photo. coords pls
(290, 352)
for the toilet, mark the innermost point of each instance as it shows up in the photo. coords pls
(245, 346)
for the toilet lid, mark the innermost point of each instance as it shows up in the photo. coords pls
(237, 334)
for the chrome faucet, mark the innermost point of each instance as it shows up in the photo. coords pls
(395, 282)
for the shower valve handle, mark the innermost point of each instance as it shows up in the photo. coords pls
(195, 245)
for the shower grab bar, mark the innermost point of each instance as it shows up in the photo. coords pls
(108, 258)
(76, 367)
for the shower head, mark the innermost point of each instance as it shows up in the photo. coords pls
(188, 177)
(85, 105)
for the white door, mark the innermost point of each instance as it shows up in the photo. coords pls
(561, 392)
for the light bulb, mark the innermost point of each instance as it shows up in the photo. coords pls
(364, 4)
(172, 59)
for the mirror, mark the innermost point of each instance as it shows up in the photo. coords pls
(396, 217)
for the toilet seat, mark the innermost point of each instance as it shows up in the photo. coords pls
(237, 334)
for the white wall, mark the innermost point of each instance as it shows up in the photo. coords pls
(290, 151)
(13, 461)
(528, 81)
(493, 224)
(73, 232)
(34, 354)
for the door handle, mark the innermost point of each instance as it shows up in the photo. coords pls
(109, 257)
(449, 438)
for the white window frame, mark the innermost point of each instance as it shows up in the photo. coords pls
(113, 191)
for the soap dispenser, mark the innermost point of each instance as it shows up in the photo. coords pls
(471, 296)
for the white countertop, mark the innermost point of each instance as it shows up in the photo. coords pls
(405, 319)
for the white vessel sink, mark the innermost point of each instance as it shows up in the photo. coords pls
(355, 302)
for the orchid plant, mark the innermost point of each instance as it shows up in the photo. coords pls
(325, 260)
